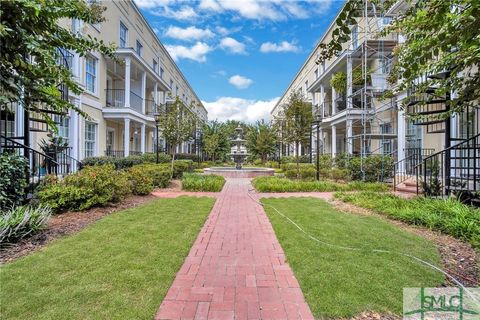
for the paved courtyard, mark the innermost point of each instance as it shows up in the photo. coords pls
(236, 268)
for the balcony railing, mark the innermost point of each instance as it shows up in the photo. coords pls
(150, 107)
(116, 99)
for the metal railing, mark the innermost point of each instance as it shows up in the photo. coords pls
(455, 170)
(407, 167)
(116, 99)
(58, 162)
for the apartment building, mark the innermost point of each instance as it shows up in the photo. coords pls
(347, 93)
(121, 95)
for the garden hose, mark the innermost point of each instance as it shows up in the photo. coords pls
(367, 250)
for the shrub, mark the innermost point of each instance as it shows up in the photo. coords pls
(181, 166)
(22, 221)
(448, 216)
(339, 174)
(206, 183)
(290, 159)
(127, 162)
(92, 186)
(141, 181)
(341, 160)
(151, 157)
(186, 156)
(278, 184)
(159, 173)
(13, 179)
(376, 167)
(305, 173)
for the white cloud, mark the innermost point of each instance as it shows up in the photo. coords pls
(284, 46)
(211, 5)
(231, 108)
(253, 9)
(148, 4)
(197, 52)
(184, 13)
(240, 82)
(232, 45)
(188, 34)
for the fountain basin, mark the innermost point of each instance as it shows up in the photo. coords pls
(231, 172)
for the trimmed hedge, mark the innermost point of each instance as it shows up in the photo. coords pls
(126, 162)
(199, 182)
(276, 184)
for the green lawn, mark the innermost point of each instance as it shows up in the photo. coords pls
(118, 268)
(342, 283)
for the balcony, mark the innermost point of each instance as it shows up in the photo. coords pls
(116, 99)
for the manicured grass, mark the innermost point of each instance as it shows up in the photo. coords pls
(199, 182)
(448, 216)
(343, 283)
(277, 184)
(118, 268)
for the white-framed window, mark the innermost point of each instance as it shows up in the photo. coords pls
(386, 128)
(90, 139)
(139, 48)
(91, 74)
(161, 72)
(176, 91)
(123, 35)
(355, 37)
(384, 65)
(171, 84)
(63, 126)
(155, 66)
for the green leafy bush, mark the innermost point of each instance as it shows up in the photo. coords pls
(141, 181)
(127, 162)
(338, 174)
(186, 156)
(292, 159)
(206, 183)
(13, 179)
(181, 166)
(376, 167)
(448, 216)
(159, 173)
(277, 184)
(92, 186)
(22, 221)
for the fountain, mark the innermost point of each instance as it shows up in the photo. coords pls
(239, 152)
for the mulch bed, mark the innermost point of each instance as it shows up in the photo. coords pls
(64, 224)
(459, 258)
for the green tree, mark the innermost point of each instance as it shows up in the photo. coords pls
(441, 35)
(297, 123)
(262, 140)
(33, 44)
(177, 125)
(212, 139)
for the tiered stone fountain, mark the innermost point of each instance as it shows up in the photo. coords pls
(239, 152)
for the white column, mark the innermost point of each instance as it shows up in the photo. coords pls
(19, 120)
(144, 85)
(334, 141)
(401, 142)
(322, 146)
(334, 103)
(127, 82)
(322, 100)
(126, 142)
(349, 83)
(155, 92)
(142, 138)
(349, 136)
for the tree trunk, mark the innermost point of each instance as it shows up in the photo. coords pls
(173, 159)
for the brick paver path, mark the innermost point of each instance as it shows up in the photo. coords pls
(236, 269)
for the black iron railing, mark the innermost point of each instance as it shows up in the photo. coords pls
(455, 170)
(407, 168)
(58, 162)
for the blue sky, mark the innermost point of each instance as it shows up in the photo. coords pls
(239, 55)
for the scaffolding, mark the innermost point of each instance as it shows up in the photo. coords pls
(369, 58)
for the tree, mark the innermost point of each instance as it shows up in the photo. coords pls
(177, 124)
(297, 123)
(441, 35)
(262, 140)
(33, 45)
(212, 139)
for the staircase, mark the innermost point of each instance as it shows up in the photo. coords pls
(406, 170)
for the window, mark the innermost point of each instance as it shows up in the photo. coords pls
(90, 137)
(176, 90)
(384, 65)
(161, 72)
(386, 128)
(316, 73)
(306, 86)
(123, 35)
(7, 121)
(155, 66)
(62, 126)
(139, 48)
(355, 37)
(91, 74)
(171, 83)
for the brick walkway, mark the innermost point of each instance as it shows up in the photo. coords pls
(236, 269)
